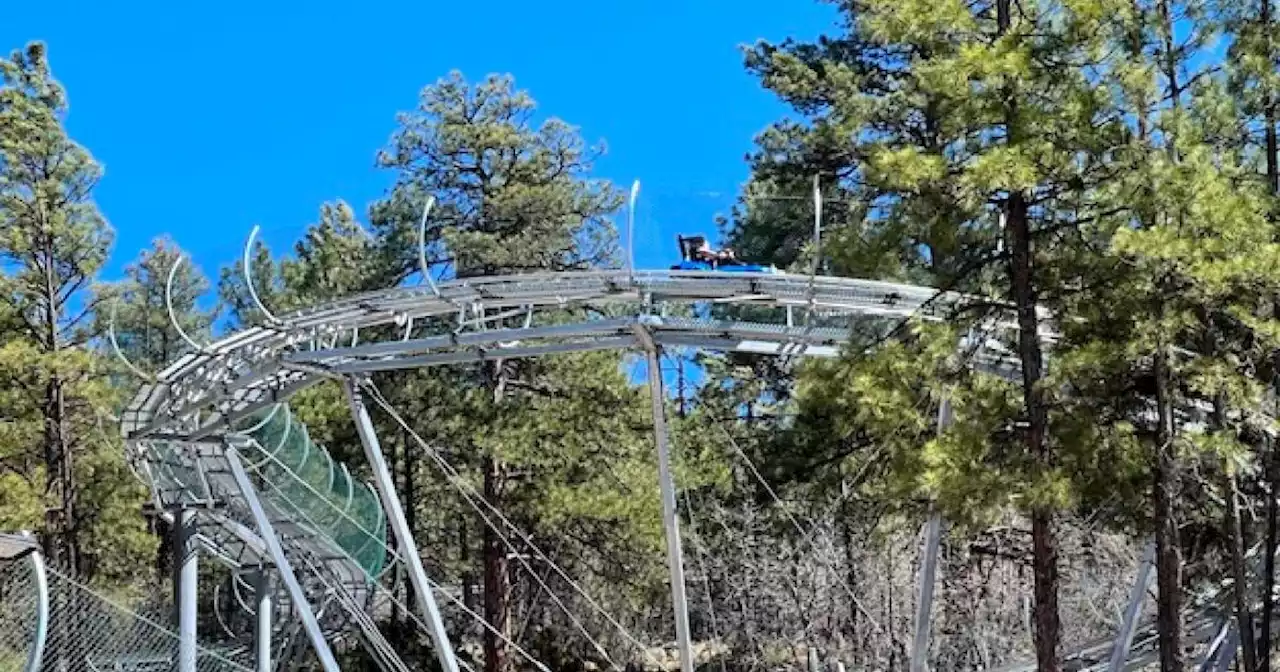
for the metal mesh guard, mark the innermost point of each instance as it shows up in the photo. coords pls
(315, 487)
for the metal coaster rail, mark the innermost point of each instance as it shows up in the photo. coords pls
(202, 397)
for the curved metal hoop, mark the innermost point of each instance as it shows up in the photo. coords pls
(115, 345)
(246, 268)
(168, 305)
(422, 246)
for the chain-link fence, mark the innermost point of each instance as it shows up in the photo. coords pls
(88, 631)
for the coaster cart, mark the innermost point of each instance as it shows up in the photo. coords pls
(691, 260)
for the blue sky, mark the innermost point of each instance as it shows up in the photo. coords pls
(212, 117)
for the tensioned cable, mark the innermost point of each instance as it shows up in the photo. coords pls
(799, 528)
(516, 553)
(702, 567)
(462, 484)
(471, 495)
(344, 597)
(395, 555)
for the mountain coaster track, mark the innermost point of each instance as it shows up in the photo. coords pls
(208, 395)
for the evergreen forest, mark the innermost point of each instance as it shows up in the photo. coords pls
(1100, 177)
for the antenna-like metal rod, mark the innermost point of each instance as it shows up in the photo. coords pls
(817, 247)
(631, 230)
(36, 655)
(115, 345)
(422, 246)
(246, 267)
(817, 225)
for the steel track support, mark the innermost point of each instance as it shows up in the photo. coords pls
(262, 620)
(670, 519)
(268, 533)
(27, 545)
(186, 575)
(1228, 649)
(928, 569)
(1137, 594)
(1221, 651)
(408, 546)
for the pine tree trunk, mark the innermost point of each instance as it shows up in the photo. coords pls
(1239, 575)
(1166, 479)
(1164, 489)
(59, 474)
(1271, 459)
(497, 573)
(1044, 544)
(497, 579)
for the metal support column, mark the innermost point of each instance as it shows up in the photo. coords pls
(186, 576)
(24, 546)
(407, 545)
(1221, 652)
(671, 523)
(42, 612)
(1226, 654)
(1137, 593)
(928, 569)
(268, 533)
(262, 620)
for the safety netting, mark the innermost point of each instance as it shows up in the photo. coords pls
(89, 631)
(310, 485)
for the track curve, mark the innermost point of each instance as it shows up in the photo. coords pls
(206, 392)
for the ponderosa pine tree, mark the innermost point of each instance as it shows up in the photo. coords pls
(146, 334)
(139, 317)
(1254, 81)
(970, 134)
(513, 196)
(54, 241)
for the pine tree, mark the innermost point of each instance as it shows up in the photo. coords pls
(144, 331)
(970, 134)
(54, 241)
(513, 197)
(1252, 79)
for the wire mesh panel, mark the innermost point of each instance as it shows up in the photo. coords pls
(88, 632)
(18, 597)
(308, 479)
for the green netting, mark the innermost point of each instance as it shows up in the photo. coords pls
(308, 483)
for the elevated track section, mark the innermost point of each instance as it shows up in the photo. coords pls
(193, 429)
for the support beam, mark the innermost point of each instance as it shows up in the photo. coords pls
(928, 569)
(1137, 594)
(36, 655)
(186, 576)
(924, 608)
(1221, 651)
(1227, 650)
(262, 620)
(268, 533)
(407, 545)
(671, 523)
